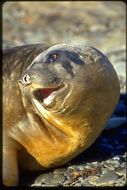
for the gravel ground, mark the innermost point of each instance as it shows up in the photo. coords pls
(102, 25)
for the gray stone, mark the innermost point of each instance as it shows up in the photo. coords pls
(81, 167)
(67, 182)
(121, 172)
(36, 185)
(105, 180)
(78, 184)
(94, 163)
(123, 165)
(60, 171)
(44, 178)
(108, 166)
(121, 181)
(58, 179)
(85, 182)
(114, 163)
(116, 157)
(88, 166)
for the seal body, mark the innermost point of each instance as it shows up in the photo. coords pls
(56, 102)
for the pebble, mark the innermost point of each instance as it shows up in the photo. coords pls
(44, 178)
(58, 179)
(121, 182)
(111, 173)
(123, 165)
(68, 182)
(105, 180)
(59, 171)
(113, 162)
(108, 166)
(81, 167)
(105, 169)
(88, 166)
(50, 180)
(121, 172)
(95, 163)
(116, 157)
(85, 182)
(77, 184)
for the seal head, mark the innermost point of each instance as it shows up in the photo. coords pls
(69, 92)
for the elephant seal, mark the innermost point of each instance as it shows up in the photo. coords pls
(56, 102)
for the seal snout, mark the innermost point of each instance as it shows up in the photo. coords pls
(25, 80)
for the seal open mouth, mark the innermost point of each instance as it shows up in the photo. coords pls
(46, 96)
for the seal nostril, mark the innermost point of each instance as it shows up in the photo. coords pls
(25, 80)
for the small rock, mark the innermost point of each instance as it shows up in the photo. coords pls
(115, 163)
(72, 167)
(35, 185)
(44, 178)
(104, 170)
(67, 182)
(92, 179)
(121, 182)
(88, 166)
(121, 172)
(85, 182)
(81, 167)
(80, 179)
(98, 27)
(49, 179)
(59, 171)
(95, 163)
(116, 158)
(58, 179)
(123, 165)
(105, 180)
(78, 184)
(109, 166)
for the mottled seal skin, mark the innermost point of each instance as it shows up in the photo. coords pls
(56, 102)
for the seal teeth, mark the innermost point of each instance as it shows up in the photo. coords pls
(49, 99)
(43, 93)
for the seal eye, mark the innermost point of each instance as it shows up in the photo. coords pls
(52, 57)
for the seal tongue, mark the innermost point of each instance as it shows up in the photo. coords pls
(43, 93)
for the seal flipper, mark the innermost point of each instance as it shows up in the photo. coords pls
(10, 166)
